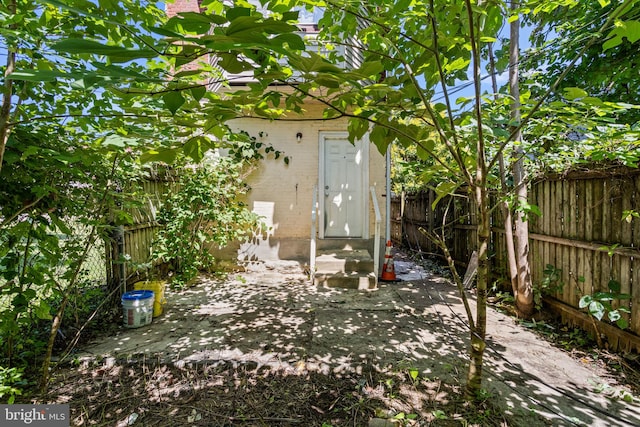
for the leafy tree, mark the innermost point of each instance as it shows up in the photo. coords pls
(68, 137)
(607, 70)
(63, 144)
(55, 199)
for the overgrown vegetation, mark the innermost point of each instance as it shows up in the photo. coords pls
(204, 213)
(109, 85)
(56, 198)
(68, 151)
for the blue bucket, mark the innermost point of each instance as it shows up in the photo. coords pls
(137, 308)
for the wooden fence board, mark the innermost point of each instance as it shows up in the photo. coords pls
(634, 324)
(581, 216)
(138, 237)
(635, 206)
(577, 233)
(625, 285)
(568, 252)
(538, 266)
(596, 209)
(557, 226)
(545, 225)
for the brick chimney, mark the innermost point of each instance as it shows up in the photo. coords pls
(177, 6)
(173, 8)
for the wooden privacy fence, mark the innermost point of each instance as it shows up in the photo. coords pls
(456, 215)
(581, 234)
(138, 237)
(134, 241)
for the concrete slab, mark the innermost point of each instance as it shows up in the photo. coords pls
(270, 314)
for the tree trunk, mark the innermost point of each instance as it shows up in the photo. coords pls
(504, 205)
(479, 188)
(7, 92)
(478, 333)
(524, 294)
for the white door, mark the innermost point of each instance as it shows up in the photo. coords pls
(343, 168)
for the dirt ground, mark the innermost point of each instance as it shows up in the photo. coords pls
(264, 347)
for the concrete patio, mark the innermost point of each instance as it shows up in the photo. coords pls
(270, 314)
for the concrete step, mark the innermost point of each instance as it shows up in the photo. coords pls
(345, 268)
(347, 281)
(344, 244)
(344, 261)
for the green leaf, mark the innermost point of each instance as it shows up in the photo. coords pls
(198, 92)
(596, 309)
(457, 64)
(381, 137)
(413, 373)
(205, 18)
(116, 71)
(62, 226)
(43, 311)
(622, 323)
(293, 40)
(371, 69)
(116, 53)
(173, 100)
(443, 189)
(424, 150)
(328, 81)
(230, 63)
(242, 24)
(165, 32)
(603, 296)
(197, 147)
(614, 315)
(188, 22)
(40, 75)
(117, 141)
(237, 12)
(614, 286)
(572, 93)
(585, 301)
(357, 128)
(313, 63)
(439, 414)
(164, 155)
(627, 29)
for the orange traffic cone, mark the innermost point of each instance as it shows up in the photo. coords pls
(388, 268)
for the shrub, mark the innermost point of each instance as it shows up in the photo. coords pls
(203, 213)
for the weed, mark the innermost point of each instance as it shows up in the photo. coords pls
(11, 383)
(600, 304)
(389, 383)
(551, 284)
(612, 392)
(439, 414)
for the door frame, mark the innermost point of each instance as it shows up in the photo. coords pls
(364, 146)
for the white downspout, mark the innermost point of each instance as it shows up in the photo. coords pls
(388, 196)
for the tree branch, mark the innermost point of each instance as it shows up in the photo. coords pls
(561, 77)
(7, 90)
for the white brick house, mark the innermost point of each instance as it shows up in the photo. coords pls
(350, 180)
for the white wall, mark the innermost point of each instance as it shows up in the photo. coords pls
(283, 193)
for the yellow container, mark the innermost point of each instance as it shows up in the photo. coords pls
(157, 286)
